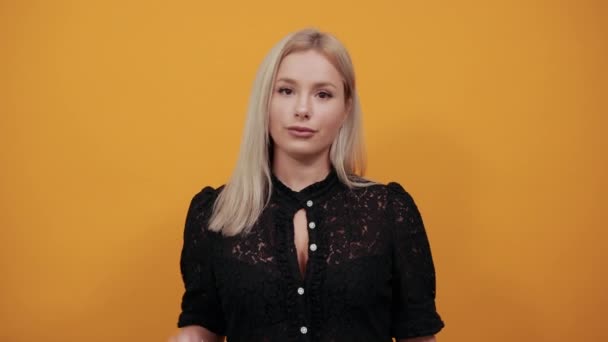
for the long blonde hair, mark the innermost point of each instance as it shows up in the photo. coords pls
(247, 193)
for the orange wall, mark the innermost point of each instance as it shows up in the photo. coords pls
(114, 113)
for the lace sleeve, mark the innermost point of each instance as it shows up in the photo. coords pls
(200, 302)
(413, 307)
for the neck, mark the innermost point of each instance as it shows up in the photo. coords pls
(297, 173)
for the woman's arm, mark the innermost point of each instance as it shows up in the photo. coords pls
(195, 333)
(413, 309)
(201, 316)
(419, 339)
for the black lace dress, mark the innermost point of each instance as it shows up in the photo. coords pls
(369, 275)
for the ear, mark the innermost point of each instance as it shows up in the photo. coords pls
(349, 106)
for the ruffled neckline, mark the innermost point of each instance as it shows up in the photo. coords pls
(311, 192)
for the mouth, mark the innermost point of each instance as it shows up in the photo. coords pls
(301, 132)
(301, 129)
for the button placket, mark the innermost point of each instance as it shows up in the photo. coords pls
(311, 225)
(306, 287)
(307, 293)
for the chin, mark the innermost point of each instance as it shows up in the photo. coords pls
(302, 152)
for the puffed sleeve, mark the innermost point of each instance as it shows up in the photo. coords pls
(200, 302)
(413, 307)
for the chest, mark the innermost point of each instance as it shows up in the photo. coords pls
(301, 240)
(339, 258)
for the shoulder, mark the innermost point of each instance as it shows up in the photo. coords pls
(397, 192)
(390, 192)
(391, 196)
(203, 200)
(204, 197)
(206, 194)
(199, 212)
(401, 205)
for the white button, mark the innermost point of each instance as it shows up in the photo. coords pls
(312, 225)
(309, 203)
(303, 330)
(313, 247)
(300, 290)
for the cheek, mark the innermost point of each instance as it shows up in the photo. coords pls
(333, 118)
(276, 109)
(274, 119)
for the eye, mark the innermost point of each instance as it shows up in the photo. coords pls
(285, 91)
(325, 95)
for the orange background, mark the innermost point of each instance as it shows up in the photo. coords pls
(114, 113)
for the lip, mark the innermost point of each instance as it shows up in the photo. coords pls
(301, 129)
(301, 132)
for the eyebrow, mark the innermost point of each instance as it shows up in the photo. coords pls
(316, 85)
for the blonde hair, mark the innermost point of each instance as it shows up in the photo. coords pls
(247, 193)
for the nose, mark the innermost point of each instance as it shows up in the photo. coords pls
(302, 109)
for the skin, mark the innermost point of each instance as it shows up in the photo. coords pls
(308, 91)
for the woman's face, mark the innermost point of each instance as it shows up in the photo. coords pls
(307, 107)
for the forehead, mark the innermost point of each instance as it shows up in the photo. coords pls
(307, 66)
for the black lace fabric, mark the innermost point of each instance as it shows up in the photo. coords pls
(369, 277)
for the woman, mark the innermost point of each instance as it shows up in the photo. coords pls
(297, 246)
